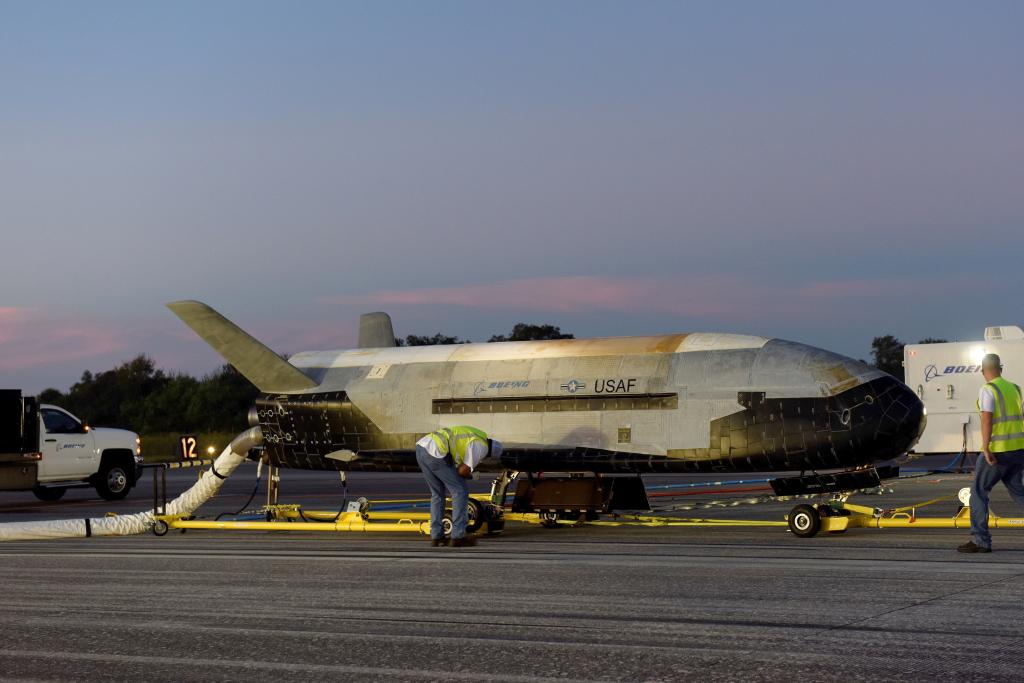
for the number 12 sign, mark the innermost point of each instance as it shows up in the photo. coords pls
(187, 444)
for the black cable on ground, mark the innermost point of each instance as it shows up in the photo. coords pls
(255, 489)
(344, 504)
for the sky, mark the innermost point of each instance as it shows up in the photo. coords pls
(818, 171)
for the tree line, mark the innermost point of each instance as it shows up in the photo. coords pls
(887, 353)
(139, 396)
(520, 332)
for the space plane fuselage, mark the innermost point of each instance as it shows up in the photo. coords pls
(669, 403)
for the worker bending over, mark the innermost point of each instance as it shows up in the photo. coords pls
(447, 458)
(1002, 441)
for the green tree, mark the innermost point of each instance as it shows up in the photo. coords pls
(166, 409)
(422, 340)
(528, 332)
(138, 396)
(221, 401)
(51, 396)
(887, 352)
(930, 340)
(114, 398)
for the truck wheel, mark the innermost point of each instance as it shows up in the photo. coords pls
(476, 516)
(549, 520)
(113, 482)
(804, 521)
(50, 493)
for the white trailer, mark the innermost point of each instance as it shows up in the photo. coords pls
(947, 378)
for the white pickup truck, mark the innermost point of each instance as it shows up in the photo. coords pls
(64, 453)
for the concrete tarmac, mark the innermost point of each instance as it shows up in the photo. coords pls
(567, 604)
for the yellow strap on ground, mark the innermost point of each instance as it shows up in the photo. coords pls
(680, 522)
(391, 501)
(643, 520)
(905, 508)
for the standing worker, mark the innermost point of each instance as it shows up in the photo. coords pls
(448, 458)
(1002, 439)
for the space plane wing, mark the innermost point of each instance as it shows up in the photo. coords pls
(265, 369)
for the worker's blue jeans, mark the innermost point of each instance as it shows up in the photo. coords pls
(440, 473)
(1009, 469)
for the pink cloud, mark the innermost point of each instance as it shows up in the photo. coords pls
(562, 294)
(715, 297)
(317, 333)
(30, 339)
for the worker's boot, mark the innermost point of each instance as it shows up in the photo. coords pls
(438, 542)
(464, 542)
(972, 547)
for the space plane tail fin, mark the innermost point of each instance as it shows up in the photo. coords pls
(376, 331)
(268, 371)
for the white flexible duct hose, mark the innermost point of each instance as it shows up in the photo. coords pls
(185, 504)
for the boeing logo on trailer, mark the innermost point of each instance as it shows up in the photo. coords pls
(932, 371)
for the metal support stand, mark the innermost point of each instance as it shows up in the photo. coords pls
(159, 491)
(160, 479)
(273, 484)
(499, 487)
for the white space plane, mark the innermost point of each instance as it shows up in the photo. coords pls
(625, 405)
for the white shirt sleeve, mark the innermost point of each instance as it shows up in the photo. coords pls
(987, 400)
(475, 452)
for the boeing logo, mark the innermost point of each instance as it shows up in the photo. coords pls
(932, 372)
(482, 387)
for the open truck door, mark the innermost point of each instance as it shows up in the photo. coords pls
(19, 441)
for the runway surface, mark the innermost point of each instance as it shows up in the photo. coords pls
(568, 604)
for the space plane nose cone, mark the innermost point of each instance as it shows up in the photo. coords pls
(894, 418)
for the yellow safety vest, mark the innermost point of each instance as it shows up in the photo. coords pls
(455, 441)
(1008, 418)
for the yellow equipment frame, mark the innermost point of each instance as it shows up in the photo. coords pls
(294, 518)
(840, 515)
(835, 516)
(347, 521)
